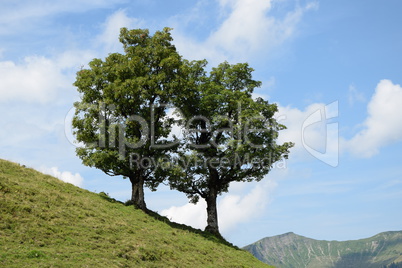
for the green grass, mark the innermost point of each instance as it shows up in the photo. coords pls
(45, 222)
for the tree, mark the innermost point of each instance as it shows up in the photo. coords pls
(120, 121)
(229, 135)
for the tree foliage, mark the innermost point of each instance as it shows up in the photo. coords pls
(230, 136)
(122, 121)
(122, 112)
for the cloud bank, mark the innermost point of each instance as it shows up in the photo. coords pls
(233, 208)
(383, 125)
(33, 80)
(65, 176)
(248, 29)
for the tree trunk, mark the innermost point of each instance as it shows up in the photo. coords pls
(212, 212)
(137, 194)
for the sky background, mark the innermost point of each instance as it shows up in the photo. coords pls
(333, 68)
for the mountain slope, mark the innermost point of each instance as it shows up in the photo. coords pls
(45, 222)
(291, 250)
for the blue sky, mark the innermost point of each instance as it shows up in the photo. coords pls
(333, 67)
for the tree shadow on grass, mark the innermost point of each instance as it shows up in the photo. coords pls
(212, 237)
(207, 235)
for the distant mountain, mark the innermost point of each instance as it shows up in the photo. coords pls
(292, 250)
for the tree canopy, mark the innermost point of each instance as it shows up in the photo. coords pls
(121, 116)
(230, 136)
(124, 121)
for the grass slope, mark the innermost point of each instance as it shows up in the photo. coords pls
(291, 250)
(45, 222)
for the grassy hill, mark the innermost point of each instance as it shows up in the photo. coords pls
(45, 222)
(291, 250)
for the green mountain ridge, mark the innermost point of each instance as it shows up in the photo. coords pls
(45, 222)
(292, 250)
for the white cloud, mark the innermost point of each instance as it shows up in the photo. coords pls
(311, 130)
(383, 125)
(248, 30)
(189, 214)
(65, 176)
(38, 79)
(111, 32)
(33, 80)
(74, 59)
(245, 27)
(232, 208)
(238, 208)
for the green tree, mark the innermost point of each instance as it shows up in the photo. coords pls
(230, 136)
(120, 121)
